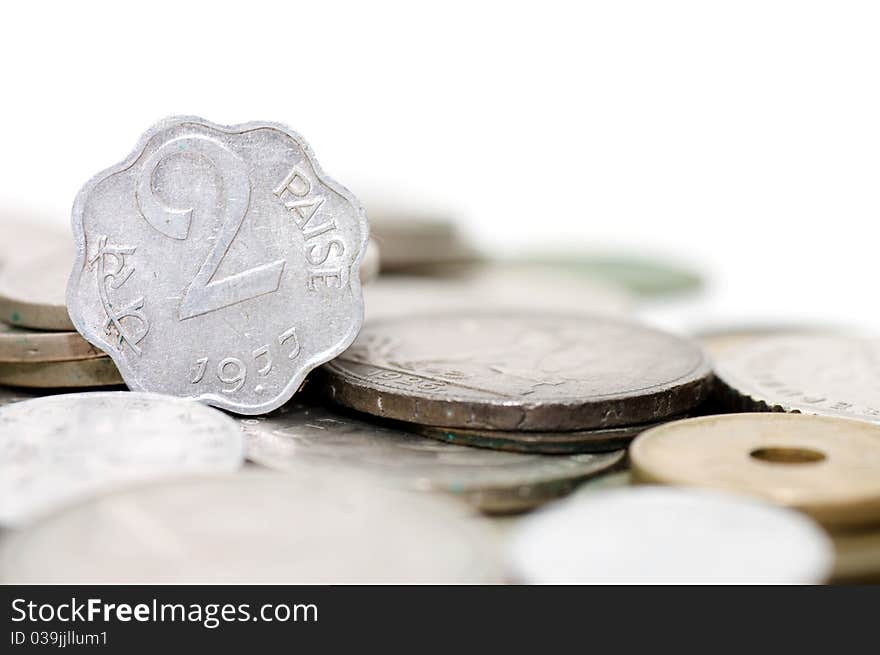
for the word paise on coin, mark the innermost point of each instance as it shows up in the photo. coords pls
(218, 263)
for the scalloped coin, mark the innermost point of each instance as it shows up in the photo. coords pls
(218, 263)
(661, 535)
(59, 449)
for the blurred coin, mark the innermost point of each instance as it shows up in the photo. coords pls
(812, 374)
(657, 535)
(80, 373)
(826, 467)
(492, 287)
(518, 371)
(58, 449)
(857, 556)
(9, 396)
(217, 263)
(719, 339)
(25, 238)
(494, 482)
(551, 443)
(412, 239)
(32, 291)
(256, 528)
(21, 345)
(641, 275)
(615, 480)
(370, 263)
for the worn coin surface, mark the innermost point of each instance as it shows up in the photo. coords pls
(812, 374)
(57, 449)
(218, 263)
(518, 371)
(73, 374)
(660, 535)
(826, 467)
(299, 433)
(32, 290)
(551, 443)
(22, 345)
(492, 287)
(257, 527)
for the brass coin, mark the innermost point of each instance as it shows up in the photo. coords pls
(857, 556)
(96, 372)
(824, 466)
(21, 345)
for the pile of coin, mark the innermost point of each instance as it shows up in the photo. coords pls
(409, 431)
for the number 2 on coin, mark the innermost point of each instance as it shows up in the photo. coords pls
(204, 294)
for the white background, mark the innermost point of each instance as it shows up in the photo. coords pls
(742, 138)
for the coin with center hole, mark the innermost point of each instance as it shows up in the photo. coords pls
(58, 449)
(813, 374)
(660, 535)
(518, 371)
(492, 481)
(824, 466)
(22, 345)
(258, 528)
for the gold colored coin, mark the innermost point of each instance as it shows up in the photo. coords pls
(857, 556)
(827, 467)
(21, 345)
(97, 372)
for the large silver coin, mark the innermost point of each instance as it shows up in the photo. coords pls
(492, 481)
(21, 345)
(658, 535)
(218, 263)
(492, 287)
(57, 449)
(258, 528)
(518, 371)
(812, 374)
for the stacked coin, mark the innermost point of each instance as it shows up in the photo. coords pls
(826, 467)
(38, 345)
(519, 381)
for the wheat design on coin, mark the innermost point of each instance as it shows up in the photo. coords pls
(218, 263)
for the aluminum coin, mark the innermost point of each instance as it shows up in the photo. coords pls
(58, 449)
(215, 263)
(658, 535)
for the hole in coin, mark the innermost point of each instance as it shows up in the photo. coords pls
(785, 455)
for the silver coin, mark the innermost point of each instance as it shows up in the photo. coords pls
(494, 482)
(57, 449)
(256, 527)
(660, 535)
(813, 374)
(32, 290)
(218, 264)
(518, 372)
(492, 287)
(551, 443)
